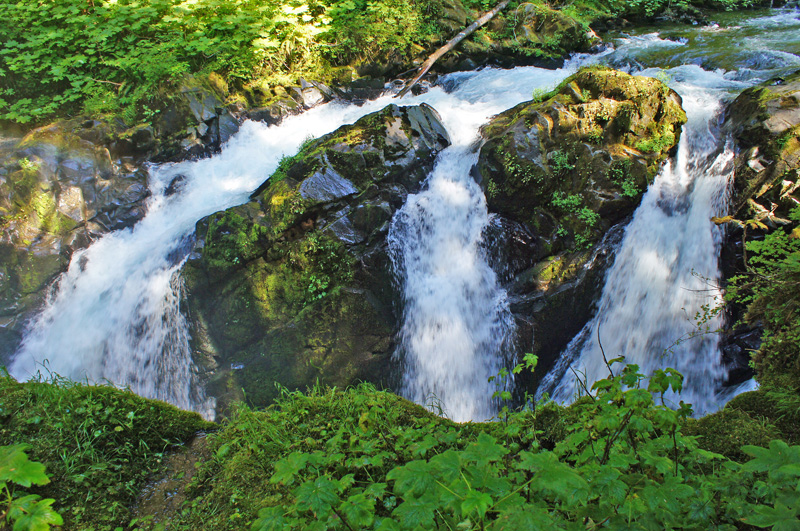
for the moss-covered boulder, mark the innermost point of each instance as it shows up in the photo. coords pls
(765, 122)
(296, 284)
(562, 170)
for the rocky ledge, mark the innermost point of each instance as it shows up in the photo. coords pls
(765, 123)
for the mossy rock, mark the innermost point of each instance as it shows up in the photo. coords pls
(578, 160)
(100, 444)
(726, 431)
(562, 170)
(60, 188)
(777, 407)
(765, 122)
(295, 285)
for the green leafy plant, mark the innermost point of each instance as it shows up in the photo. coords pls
(560, 162)
(24, 512)
(767, 290)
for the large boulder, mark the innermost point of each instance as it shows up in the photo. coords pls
(561, 171)
(296, 285)
(765, 122)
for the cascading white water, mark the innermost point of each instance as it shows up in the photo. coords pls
(665, 273)
(457, 325)
(456, 316)
(115, 314)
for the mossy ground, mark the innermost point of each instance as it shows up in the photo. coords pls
(370, 432)
(100, 444)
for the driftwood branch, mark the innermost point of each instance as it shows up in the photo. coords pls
(452, 43)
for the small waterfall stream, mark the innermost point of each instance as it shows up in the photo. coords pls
(665, 273)
(115, 314)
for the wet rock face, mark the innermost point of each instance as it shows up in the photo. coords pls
(58, 192)
(64, 185)
(296, 284)
(197, 123)
(765, 121)
(568, 167)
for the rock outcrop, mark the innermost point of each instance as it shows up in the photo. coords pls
(561, 171)
(60, 187)
(296, 285)
(765, 122)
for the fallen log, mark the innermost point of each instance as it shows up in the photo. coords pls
(452, 43)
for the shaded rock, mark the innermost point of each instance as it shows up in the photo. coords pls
(197, 122)
(765, 122)
(296, 284)
(563, 170)
(61, 186)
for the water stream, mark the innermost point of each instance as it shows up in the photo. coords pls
(665, 271)
(115, 314)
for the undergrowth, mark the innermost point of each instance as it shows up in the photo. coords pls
(99, 444)
(366, 459)
(768, 288)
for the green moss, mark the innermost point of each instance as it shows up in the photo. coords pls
(777, 407)
(659, 142)
(34, 272)
(232, 240)
(726, 431)
(100, 444)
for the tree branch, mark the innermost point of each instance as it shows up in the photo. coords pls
(452, 43)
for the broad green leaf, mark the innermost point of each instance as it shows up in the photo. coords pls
(484, 451)
(476, 502)
(286, 469)
(415, 513)
(412, 479)
(780, 515)
(17, 468)
(35, 515)
(447, 465)
(270, 519)
(317, 496)
(358, 510)
(529, 518)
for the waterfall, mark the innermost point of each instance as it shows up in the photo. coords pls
(666, 274)
(457, 327)
(114, 315)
